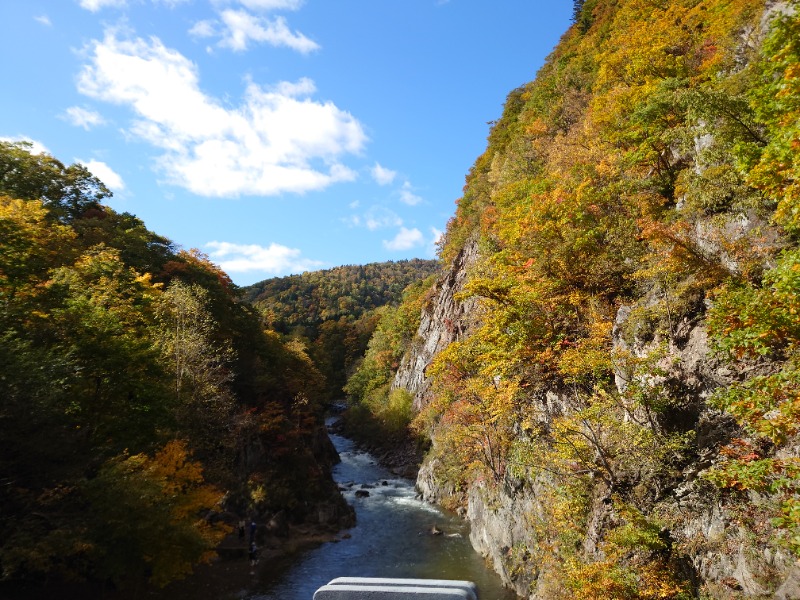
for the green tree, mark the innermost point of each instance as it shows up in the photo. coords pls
(201, 372)
(67, 191)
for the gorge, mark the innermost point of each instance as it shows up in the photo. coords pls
(606, 369)
(600, 376)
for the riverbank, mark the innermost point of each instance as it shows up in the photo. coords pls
(230, 575)
(401, 455)
(227, 577)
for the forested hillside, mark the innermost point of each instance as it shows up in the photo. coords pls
(142, 400)
(609, 370)
(334, 311)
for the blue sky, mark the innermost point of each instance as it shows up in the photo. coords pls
(276, 136)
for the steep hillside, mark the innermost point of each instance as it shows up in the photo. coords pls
(143, 405)
(608, 371)
(309, 299)
(333, 311)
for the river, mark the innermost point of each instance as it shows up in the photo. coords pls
(392, 538)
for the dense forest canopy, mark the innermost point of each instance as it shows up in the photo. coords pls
(335, 311)
(140, 396)
(309, 299)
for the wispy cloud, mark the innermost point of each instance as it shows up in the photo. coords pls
(274, 259)
(204, 29)
(105, 174)
(238, 28)
(171, 3)
(43, 20)
(277, 140)
(406, 239)
(407, 196)
(96, 5)
(380, 217)
(241, 28)
(374, 218)
(267, 5)
(83, 117)
(382, 175)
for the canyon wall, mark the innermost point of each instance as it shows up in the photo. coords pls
(711, 539)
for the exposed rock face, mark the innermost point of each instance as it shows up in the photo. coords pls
(444, 320)
(721, 553)
(711, 532)
(501, 533)
(429, 486)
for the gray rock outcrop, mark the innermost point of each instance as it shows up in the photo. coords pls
(444, 320)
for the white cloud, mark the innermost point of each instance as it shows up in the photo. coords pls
(352, 221)
(95, 5)
(43, 20)
(382, 175)
(435, 239)
(267, 5)
(302, 87)
(273, 259)
(405, 239)
(409, 197)
(35, 146)
(105, 174)
(203, 29)
(171, 3)
(375, 218)
(278, 140)
(243, 27)
(379, 217)
(82, 117)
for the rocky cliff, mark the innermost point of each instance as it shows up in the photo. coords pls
(574, 486)
(720, 553)
(444, 320)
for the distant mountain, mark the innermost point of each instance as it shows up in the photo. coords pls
(349, 291)
(334, 312)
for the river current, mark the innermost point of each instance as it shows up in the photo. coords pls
(392, 538)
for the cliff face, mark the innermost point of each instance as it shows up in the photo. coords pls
(444, 320)
(590, 423)
(720, 553)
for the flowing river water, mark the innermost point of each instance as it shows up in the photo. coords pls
(392, 538)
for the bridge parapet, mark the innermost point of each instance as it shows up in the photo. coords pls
(379, 588)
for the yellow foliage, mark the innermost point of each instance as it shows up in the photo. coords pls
(607, 580)
(584, 202)
(589, 356)
(30, 241)
(166, 497)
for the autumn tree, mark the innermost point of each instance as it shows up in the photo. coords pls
(147, 516)
(201, 372)
(133, 377)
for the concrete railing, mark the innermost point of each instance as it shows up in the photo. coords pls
(376, 588)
